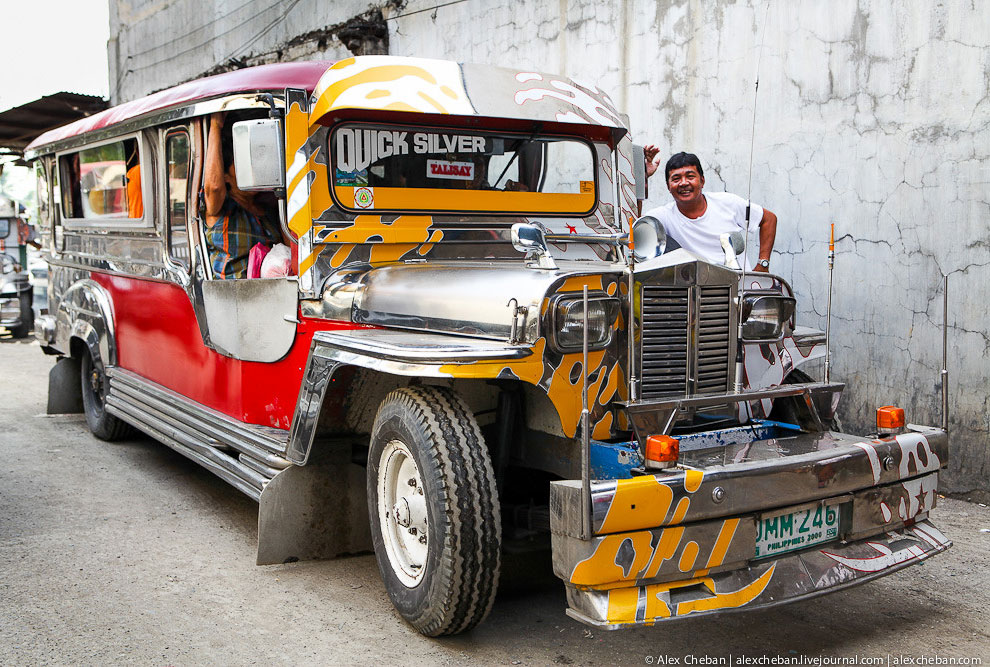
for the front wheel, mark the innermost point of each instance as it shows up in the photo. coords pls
(94, 391)
(434, 512)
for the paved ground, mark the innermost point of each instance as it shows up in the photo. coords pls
(129, 553)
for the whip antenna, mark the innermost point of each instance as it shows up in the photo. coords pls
(752, 136)
(740, 354)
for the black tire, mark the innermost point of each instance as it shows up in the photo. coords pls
(27, 318)
(453, 587)
(94, 391)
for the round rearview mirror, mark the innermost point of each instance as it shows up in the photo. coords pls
(649, 238)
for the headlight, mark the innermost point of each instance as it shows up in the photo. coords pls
(568, 321)
(764, 316)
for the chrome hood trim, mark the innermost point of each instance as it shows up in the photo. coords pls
(466, 298)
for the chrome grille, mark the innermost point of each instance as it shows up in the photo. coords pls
(665, 340)
(686, 335)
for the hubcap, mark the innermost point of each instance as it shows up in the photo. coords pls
(402, 513)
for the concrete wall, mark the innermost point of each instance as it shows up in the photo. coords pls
(155, 44)
(871, 115)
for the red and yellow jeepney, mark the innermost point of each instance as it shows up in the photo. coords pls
(469, 350)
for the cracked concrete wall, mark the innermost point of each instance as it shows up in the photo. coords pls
(871, 115)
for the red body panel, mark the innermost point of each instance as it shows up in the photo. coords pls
(158, 338)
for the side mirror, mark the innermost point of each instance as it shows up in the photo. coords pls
(531, 240)
(259, 154)
(733, 243)
(649, 238)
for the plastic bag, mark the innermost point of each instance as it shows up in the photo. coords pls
(256, 258)
(277, 262)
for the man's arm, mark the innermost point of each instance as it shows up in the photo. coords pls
(768, 232)
(214, 187)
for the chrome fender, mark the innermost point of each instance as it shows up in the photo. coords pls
(86, 312)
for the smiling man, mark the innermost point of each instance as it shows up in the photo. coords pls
(696, 219)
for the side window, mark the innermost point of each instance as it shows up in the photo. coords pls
(177, 169)
(103, 182)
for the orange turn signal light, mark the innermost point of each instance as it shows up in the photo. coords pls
(662, 449)
(890, 418)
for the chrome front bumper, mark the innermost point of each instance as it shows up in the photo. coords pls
(764, 584)
(682, 541)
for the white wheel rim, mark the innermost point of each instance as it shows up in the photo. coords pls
(402, 513)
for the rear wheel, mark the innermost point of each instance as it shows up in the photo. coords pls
(434, 510)
(94, 392)
(24, 329)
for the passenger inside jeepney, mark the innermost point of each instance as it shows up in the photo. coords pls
(236, 220)
(135, 202)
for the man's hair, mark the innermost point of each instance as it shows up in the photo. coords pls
(682, 159)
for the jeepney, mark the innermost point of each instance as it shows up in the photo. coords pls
(480, 343)
(16, 295)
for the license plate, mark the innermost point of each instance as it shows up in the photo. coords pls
(797, 530)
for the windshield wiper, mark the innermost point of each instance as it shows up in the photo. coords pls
(518, 146)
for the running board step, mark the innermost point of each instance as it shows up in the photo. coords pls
(246, 456)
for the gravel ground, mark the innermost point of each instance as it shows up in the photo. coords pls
(128, 553)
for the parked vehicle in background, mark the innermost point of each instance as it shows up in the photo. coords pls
(16, 297)
(469, 353)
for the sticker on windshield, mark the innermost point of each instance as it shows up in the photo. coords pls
(587, 187)
(364, 197)
(461, 171)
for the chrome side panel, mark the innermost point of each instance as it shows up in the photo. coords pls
(190, 427)
(253, 320)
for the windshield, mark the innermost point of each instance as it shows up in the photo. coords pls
(409, 168)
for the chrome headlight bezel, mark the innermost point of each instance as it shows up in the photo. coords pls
(566, 320)
(764, 316)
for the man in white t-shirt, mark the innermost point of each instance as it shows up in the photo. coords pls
(696, 220)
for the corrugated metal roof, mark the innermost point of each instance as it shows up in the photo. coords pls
(21, 125)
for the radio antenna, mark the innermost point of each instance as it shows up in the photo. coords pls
(752, 136)
(740, 355)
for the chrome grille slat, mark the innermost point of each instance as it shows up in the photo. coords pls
(664, 341)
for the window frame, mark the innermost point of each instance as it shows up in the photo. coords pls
(166, 134)
(331, 167)
(145, 223)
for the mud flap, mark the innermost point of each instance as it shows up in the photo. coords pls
(64, 391)
(313, 512)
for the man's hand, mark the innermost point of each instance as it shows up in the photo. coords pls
(652, 154)
(760, 269)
